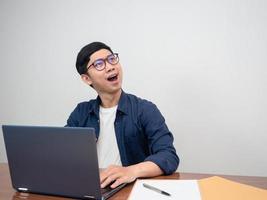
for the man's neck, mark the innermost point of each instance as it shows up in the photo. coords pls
(110, 100)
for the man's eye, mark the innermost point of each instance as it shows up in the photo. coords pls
(98, 63)
(112, 59)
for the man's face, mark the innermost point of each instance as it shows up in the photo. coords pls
(109, 79)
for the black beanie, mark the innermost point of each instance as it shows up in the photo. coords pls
(84, 55)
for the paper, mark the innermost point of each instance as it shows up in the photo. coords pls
(179, 189)
(217, 188)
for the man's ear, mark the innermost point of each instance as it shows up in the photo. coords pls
(86, 79)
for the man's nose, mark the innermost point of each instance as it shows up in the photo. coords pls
(109, 67)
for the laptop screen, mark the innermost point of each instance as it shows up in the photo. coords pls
(53, 160)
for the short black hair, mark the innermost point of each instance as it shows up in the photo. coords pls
(83, 56)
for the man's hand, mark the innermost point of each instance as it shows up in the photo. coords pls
(118, 175)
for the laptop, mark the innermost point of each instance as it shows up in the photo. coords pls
(58, 161)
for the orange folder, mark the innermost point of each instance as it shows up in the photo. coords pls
(217, 188)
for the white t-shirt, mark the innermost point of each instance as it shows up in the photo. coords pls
(107, 148)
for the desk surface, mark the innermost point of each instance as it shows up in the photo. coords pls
(7, 192)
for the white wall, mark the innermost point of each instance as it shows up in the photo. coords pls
(202, 62)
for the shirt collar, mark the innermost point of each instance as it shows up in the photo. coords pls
(122, 105)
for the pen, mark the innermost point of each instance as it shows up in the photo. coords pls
(156, 189)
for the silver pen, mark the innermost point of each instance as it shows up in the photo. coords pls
(156, 189)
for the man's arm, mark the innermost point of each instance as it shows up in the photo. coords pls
(160, 139)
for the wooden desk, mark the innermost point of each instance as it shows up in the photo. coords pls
(7, 192)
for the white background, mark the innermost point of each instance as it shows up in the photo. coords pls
(203, 63)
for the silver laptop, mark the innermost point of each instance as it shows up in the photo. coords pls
(54, 161)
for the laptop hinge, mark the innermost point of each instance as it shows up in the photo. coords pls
(89, 197)
(23, 189)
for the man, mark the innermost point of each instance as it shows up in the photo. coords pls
(132, 138)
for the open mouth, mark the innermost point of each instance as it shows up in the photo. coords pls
(113, 77)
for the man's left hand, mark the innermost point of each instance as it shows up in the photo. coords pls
(117, 175)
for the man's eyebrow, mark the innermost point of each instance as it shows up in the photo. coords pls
(102, 58)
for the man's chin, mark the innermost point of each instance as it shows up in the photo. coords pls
(110, 90)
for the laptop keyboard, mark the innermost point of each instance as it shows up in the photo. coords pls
(106, 189)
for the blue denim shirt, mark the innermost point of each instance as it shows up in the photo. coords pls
(141, 132)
